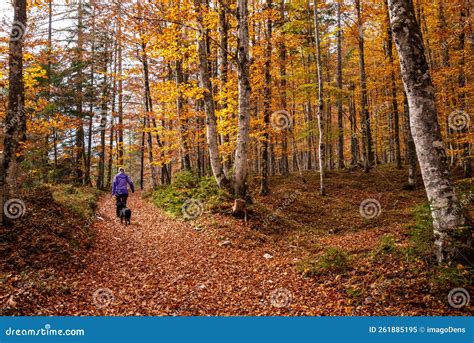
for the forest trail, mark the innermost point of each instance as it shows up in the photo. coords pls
(160, 266)
(219, 265)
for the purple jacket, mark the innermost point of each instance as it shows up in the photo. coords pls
(119, 186)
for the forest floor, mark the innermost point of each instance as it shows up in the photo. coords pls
(220, 265)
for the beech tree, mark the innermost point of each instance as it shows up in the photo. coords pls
(367, 145)
(79, 148)
(211, 121)
(394, 117)
(243, 62)
(451, 234)
(15, 119)
(282, 58)
(104, 108)
(120, 84)
(320, 100)
(267, 104)
(340, 124)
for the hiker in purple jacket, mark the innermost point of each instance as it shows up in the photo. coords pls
(120, 189)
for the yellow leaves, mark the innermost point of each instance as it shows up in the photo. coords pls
(192, 91)
(32, 74)
(211, 20)
(40, 3)
(176, 13)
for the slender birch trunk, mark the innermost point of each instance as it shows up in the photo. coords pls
(320, 100)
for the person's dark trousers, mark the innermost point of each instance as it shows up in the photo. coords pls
(121, 198)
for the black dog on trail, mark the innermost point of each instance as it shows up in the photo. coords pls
(125, 213)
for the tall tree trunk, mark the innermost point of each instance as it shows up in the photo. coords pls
(112, 118)
(201, 165)
(243, 66)
(340, 124)
(110, 152)
(15, 115)
(165, 168)
(328, 120)
(103, 119)
(353, 120)
(320, 99)
(153, 172)
(367, 146)
(80, 153)
(144, 128)
(282, 53)
(48, 92)
(391, 153)
(211, 122)
(393, 91)
(308, 112)
(447, 86)
(425, 35)
(223, 71)
(88, 156)
(185, 158)
(267, 99)
(452, 237)
(142, 155)
(50, 50)
(443, 30)
(147, 122)
(120, 88)
(465, 147)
